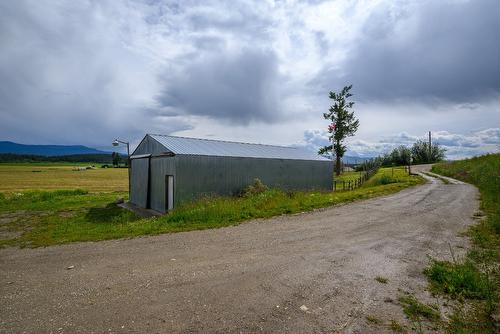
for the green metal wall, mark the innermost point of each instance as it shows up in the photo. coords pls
(139, 181)
(196, 176)
(160, 167)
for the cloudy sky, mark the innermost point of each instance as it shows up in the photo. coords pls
(85, 72)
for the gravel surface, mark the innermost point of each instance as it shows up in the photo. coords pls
(308, 273)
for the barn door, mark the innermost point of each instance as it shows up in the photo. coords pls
(169, 192)
(139, 182)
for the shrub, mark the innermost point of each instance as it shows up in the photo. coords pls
(387, 179)
(257, 187)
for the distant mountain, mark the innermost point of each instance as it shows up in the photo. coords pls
(46, 150)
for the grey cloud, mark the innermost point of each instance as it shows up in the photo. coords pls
(457, 145)
(84, 71)
(69, 74)
(445, 50)
(469, 106)
(490, 136)
(209, 43)
(449, 139)
(239, 88)
(228, 16)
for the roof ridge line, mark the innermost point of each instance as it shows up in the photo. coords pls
(222, 141)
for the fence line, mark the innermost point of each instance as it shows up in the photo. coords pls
(355, 183)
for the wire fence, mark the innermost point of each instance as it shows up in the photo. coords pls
(342, 185)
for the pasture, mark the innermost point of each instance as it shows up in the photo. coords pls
(55, 176)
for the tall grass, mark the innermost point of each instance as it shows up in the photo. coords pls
(39, 200)
(476, 278)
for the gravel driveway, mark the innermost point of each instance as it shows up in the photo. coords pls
(312, 272)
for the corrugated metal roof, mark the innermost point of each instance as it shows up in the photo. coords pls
(195, 146)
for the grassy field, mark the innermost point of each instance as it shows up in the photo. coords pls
(37, 218)
(474, 280)
(348, 176)
(52, 176)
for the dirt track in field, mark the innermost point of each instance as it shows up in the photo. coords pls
(254, 277)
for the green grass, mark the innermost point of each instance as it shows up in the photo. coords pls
(348, 176)
(459, 280)
(382, 280)
(475, 279)
(387, 176)
(43, 218)
(383, 176)
(416, 310)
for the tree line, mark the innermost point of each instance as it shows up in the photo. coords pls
(419, 153)
(114, 158)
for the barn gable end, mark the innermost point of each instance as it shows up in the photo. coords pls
(149, 145)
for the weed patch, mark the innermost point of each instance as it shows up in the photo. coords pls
(382, 280)
(373, 320)
(458, 280)
(470, 319)
(396, 327)
(415, 310)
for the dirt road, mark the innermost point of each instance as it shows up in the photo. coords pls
(313, 272)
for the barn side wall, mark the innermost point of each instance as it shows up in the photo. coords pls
(206, 175)
(197, 176)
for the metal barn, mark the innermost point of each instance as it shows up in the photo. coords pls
(167, 171)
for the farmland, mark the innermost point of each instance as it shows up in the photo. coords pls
(43, 205)
(56, 176)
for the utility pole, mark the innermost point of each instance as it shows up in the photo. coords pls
(430, 147)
